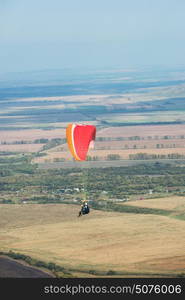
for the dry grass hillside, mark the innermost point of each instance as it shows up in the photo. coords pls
(100, 241)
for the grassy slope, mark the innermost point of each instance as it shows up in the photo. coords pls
(103, 241)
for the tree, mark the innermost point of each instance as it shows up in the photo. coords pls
(113, 157)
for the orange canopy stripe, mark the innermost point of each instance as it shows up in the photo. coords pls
(70, 140)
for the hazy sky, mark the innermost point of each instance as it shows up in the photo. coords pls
(49, 34)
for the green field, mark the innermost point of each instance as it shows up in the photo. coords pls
(156, 117)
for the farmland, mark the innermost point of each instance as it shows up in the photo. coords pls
(21, 148)
(124, 141)
(129, 140)
(143, 109)
(10, 136)
(170, 203)
(134, 178)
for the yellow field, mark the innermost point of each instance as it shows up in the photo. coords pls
(22, 147)
(142, 244)
(143, 130)
(120, 147)
(145, 144)
(102, 154)
(168, 203)
(30, 134)
(123, 148)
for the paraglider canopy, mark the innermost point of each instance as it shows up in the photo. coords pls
(79, 138)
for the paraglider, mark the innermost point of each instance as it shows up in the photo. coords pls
(84, 209)
(80, 138)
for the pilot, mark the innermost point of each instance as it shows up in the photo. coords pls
(84, 209)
